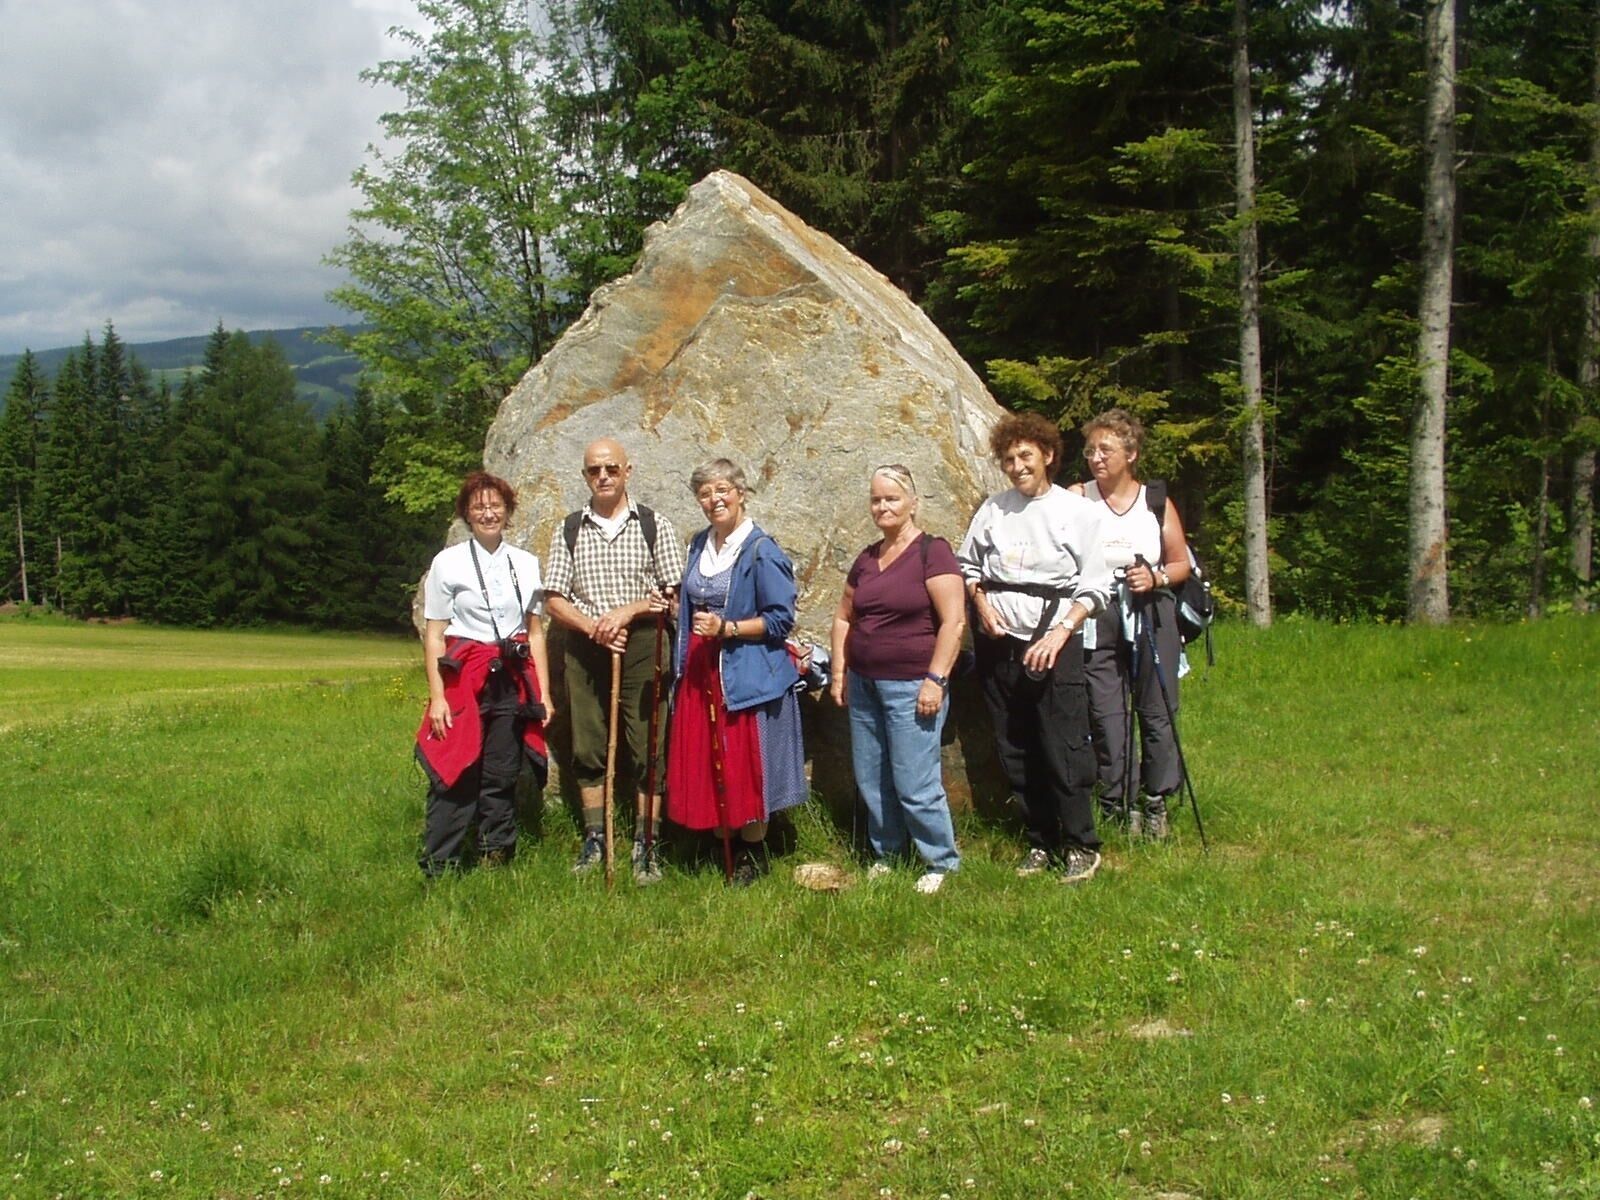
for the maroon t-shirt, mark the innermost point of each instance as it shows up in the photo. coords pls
(893, 623)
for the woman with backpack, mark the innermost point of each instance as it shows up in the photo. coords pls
(735, 756)
(1143, 541)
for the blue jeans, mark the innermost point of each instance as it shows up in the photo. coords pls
(896, 758)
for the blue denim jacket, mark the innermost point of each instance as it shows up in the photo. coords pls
(762, 586)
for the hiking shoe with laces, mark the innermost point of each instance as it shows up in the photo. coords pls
(1033, 862)
(646, 863)
(1080, 864)
(1156, 825)
(592, 854)
(930, 882)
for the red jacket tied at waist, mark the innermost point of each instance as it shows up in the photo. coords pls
(446, 759)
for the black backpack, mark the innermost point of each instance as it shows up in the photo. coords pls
(1196, 607)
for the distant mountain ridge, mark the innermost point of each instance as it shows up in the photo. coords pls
(325, 376)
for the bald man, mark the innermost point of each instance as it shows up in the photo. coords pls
(606, 581)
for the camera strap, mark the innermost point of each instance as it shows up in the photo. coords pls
(472, 546)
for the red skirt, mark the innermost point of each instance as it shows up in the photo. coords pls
(691, 778)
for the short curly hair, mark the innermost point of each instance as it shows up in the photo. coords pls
(483, 481)
(1027, 427)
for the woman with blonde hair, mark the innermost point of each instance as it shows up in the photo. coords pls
(895, 639)
(1150, 554)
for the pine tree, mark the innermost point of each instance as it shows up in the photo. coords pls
(245, 520)
(27, 404)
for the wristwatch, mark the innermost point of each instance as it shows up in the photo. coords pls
(942, 680)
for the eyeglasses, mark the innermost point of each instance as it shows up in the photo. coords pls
(1093, 452)
(488, 509)
(595, 470)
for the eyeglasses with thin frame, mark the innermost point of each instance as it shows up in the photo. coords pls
(595, 470)
(1093, 452)
(489, 509)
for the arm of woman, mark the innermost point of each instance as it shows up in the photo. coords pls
(841, 635)
(539, 652)
(432, 652)
(949, 606)
(775, 598)
(1174, 546)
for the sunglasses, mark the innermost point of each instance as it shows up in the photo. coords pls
(595, 470)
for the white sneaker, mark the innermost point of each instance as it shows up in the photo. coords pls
(930, 882)
(878, 870)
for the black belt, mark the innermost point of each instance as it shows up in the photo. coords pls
(1052, 598)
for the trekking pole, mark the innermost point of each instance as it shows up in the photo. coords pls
(1177, 742)
(1127, 613)
(651, 782)
(611, 766)
(720, 790)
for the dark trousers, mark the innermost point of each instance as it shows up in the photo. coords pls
(1109, 672)
(589, 697)
(1041, 730)
(487, 791)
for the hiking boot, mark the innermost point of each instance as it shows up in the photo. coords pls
(930, 882)
(1081, 864)
(1156, 825)
(1136, 821)
(750, 863)
(646, 863)
(878, 870)
(592, 854)
(1034, 861)
(500, 856)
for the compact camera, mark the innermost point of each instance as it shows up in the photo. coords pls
(513, 649)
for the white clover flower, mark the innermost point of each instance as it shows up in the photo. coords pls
(892, 1146)
(1227, 1098)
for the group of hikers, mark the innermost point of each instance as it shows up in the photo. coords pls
(1069, 591)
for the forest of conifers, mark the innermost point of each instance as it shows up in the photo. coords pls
(1068, 188)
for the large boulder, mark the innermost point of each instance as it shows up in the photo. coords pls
(747, 334)
(744, 333)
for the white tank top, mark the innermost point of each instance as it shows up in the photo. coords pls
(1124, 535)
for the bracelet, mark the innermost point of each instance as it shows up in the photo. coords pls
(722, 629)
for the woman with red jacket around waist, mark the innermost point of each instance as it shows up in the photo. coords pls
(483, 650)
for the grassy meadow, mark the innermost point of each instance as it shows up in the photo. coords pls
(221, 976)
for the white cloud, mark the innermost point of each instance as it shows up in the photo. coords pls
(168, 163)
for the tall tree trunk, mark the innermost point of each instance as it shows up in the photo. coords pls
(1429, 592)
(1541, 516)
(22, 551)
(1257, 592)
(1588, 368)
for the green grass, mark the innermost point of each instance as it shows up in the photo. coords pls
(219, 964)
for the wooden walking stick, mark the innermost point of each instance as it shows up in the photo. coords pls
(720, 790)
(652, 784)
(611, 765)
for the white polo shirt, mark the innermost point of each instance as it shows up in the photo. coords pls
(454, 594)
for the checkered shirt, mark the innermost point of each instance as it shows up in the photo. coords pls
(599, 575)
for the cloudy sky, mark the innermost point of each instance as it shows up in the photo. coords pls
(168, 163)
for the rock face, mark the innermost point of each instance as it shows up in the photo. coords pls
(743, 333)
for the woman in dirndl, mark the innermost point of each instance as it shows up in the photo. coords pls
(735, 754)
